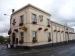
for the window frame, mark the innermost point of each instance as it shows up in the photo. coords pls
(14, 21)
(48, 21)
(34, 38)
(22, 19)
(34, 17)
(41, 18)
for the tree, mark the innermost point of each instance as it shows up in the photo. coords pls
(2, 39)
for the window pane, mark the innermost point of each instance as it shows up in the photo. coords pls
(22, 34)
(48, 21)
(41, 18)
(22, 18)
(34, 17)
(33, 34)
(14, 21)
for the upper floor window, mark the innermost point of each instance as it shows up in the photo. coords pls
(48, 21)
(14, 22)
(21, 18)
(34, 18)
(34, 36)
(41, 18)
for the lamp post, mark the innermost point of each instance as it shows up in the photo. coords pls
(8, 44)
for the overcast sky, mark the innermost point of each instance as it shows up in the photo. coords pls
(63, 11)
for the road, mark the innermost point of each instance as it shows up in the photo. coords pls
(65, 50)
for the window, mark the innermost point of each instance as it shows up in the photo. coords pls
(34, 19)
(49, 36)
(34, 37)
(22, 18)
(41, 18)
(22, 34)
(21, 41)
(48, 21)
(13, 38)
(14, 22)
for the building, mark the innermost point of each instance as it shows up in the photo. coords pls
(31, 26)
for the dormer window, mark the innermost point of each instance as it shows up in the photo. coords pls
(34, 19)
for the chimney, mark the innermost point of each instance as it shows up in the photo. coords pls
(13, 10)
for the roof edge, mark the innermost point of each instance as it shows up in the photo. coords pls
(29, 5)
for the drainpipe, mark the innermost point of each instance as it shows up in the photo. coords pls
(13, 11)
(56, 33)
(68, 35)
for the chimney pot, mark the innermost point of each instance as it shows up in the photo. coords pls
(13, 10)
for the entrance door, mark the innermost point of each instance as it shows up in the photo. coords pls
(54, 37)
(66, 37)
(16, 40)
(13, 38)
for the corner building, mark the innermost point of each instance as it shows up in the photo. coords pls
(31, 26)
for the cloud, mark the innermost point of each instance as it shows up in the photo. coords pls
(4, 28)
(62, 11)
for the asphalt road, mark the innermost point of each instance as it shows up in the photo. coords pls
(65, 50)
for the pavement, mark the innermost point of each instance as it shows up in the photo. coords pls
(64, 50)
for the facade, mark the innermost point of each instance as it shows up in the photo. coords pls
(31, 26)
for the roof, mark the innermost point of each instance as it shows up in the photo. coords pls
(29, 5)
(59, 24)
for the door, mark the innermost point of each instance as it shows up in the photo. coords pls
(13, 38)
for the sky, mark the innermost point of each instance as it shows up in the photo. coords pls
(62, 11)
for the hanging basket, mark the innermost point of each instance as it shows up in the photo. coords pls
(16, 30)
(55, 30)
(40, 28)
(24, 28)
(45, 29)
(13, 23)
(66, 32)
(21, 24)
(48, 25)
(58, 31)
(34, 22)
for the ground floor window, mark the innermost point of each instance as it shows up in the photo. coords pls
(16, 40)
(34, 36)
(21, 41)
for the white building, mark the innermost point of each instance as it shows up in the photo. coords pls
(31, 26)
